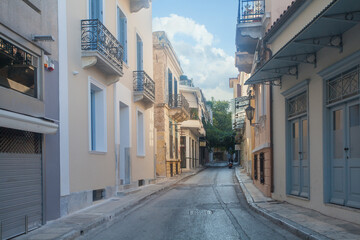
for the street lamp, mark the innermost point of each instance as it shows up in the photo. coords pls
(250, 113)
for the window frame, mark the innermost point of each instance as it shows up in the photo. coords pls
(292, 93)
(101, 122)
(142, 143)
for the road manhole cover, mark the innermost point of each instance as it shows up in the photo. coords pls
(201, 212)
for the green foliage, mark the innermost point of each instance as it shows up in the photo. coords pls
(220, 134)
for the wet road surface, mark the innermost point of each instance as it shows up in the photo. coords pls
(209, 205)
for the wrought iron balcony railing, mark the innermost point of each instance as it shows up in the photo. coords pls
(96, 37)
(250, 11)
(178, 101)
(143, 83)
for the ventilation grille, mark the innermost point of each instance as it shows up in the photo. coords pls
(17, 141)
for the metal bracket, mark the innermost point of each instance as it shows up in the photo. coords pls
(290, 70)
(348, 17)
(334, 41)
(309, 58)
(277, 81)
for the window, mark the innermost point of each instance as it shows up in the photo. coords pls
(176, 143)
(262, 169)
(139, 52)
(97, 117)
(263, 99)
(96, 9)
(255, 166)
(140, 134)
(170, 85)
(171, 140)
(238, 90)
(18, 69)
(122, 31)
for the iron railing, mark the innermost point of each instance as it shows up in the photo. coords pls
(178, 101)
(96, 37)
(343, 86)
(143, 83)
(250, 11)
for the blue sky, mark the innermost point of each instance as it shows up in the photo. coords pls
(202, 33)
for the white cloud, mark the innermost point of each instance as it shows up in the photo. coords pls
(210, 67)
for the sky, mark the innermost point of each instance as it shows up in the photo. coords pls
(202, 32)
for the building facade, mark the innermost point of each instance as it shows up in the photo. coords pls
(107, 95)
(193, 135)
(171, 107)
(312, 66)
(29, 116)
(254, 20)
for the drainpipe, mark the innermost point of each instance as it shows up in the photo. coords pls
(271, 139)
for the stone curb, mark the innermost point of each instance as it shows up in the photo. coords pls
(291, 226)
(83, 230)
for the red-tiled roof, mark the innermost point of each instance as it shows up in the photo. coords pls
(288, 12)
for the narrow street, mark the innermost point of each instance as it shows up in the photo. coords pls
(209, 205)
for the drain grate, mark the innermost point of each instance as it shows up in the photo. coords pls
(201, 212)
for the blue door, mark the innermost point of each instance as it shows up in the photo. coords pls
(345, 154)
(299, 157)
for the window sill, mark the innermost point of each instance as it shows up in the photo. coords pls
(297, 197)
(98, 152)
(140, 155)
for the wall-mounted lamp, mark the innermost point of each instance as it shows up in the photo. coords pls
(250, 114)
(43, 38)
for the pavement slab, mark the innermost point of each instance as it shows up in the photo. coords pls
(83, 221)
(307, 223)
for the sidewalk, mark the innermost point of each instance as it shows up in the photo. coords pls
(305, 223)
(81, 222)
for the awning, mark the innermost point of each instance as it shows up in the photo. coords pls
(26, 123)
(325, 30)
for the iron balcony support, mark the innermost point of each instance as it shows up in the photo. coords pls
(290, 70)
(334, 41)
(309, 58)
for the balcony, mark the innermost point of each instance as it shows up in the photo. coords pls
(101, 49)
(144, 88)
(137, 5)
(250, 24)
(179, 108)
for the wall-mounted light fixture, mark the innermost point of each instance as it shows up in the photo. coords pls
(250, 111)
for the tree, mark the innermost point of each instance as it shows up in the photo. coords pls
(220, 134)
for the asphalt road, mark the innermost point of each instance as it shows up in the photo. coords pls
(209, 205)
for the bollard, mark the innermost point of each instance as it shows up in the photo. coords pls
(26, 224)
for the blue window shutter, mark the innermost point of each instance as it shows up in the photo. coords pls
(139, 54)
(96, 9)
(175, 87)
(125, 40)
(100, 10)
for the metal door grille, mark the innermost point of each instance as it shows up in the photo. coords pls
(16, 141)
(20, 182)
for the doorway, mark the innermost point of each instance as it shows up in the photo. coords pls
(125, 158)
(344, 153)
